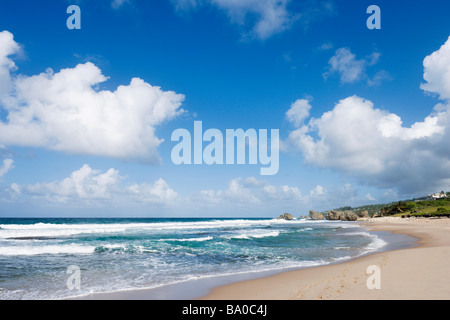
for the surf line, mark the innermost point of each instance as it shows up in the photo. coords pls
(235, 140)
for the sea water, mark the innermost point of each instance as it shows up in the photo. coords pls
(122, 254)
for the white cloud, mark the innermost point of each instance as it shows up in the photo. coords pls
(437, 72)
(378, 78)
(325, 46)
(264, 18)
(298, 112)
(364, 141)
(8, 47)
(7, 165)
(259, 191)
(248, 191)
(373, 145)
(263, 196)
(15, 188)
(369, 197)
(83, 184)
(267, 17)
(318, 191)
(347, 66)
(351, 70)
(117, 4)
(66, 111)
(89, 186)
(158, 192)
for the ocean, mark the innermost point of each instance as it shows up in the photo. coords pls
(37, 255)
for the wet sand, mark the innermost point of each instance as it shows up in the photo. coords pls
(421, 272)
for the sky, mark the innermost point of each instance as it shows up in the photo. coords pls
(87, 115)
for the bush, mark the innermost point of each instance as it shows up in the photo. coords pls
(410, 206)
(442, 210)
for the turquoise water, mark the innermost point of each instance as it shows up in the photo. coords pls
(119, 254)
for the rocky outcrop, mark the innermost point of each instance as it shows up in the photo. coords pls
(314, 215)
(333, 215)
(363, 214)
(348, 216)
(286, 216)
(341, 215)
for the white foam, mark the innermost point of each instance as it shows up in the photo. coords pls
(376, 244)
(48, 249)
(189, 239)
(254, 234)
(63, 230)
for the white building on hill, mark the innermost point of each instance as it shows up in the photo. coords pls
(436, 196)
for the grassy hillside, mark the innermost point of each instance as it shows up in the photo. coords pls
(370, 208)
(411, 207)
(418, 208)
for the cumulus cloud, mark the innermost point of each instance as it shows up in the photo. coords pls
(66, 111)
(248, 191)
(351, 70)
(263, 196)
(437, 72)
(158, 192)
(8, 48)
(84, 183)
(318, 191)
(374, 146)
(87, 186)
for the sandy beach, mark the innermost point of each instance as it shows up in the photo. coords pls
(421, 272)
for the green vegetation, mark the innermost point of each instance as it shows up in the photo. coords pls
(419, 208)
(372, 209)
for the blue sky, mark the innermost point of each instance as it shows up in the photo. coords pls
(362, 114)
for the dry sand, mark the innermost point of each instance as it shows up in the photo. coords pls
(422, 272)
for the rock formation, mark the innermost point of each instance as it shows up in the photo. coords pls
(333, 215)
(314, 215)
(348, 216)
(286, 216)
(363, 214)
(341, 215)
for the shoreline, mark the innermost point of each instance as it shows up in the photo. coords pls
(418, 272)
(212, 287)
